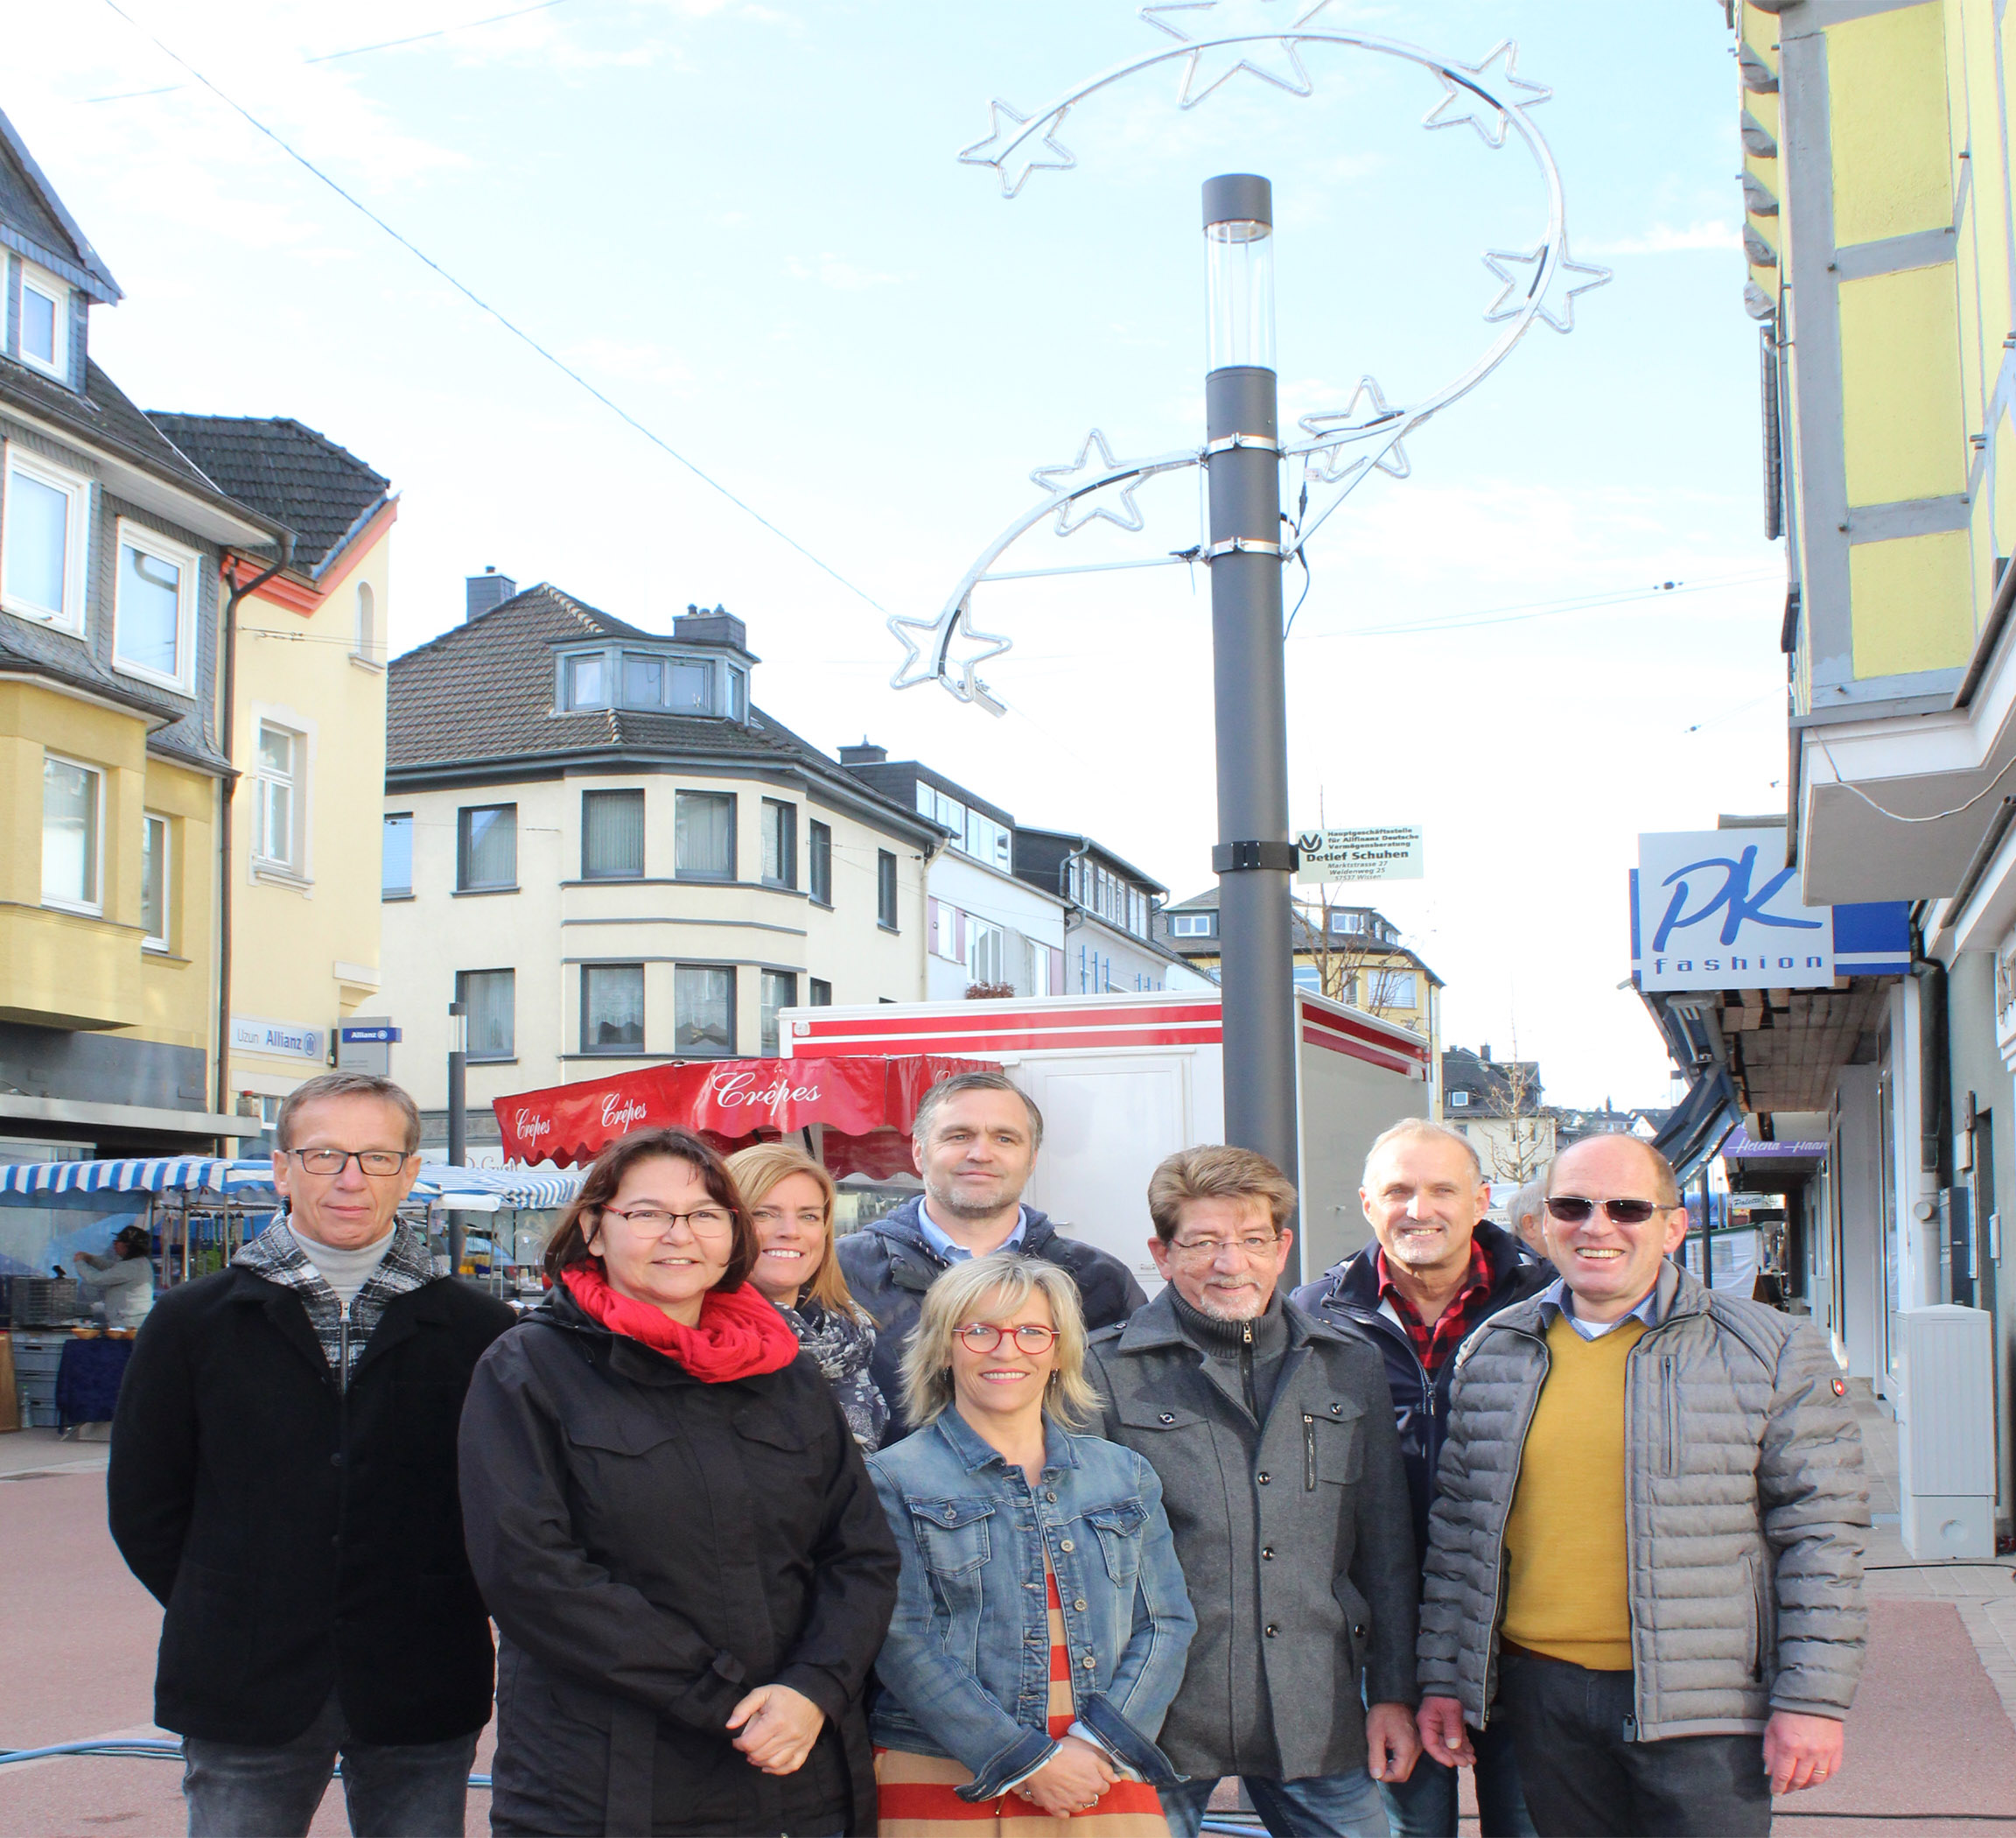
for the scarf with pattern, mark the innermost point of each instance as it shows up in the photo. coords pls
(279, 1255)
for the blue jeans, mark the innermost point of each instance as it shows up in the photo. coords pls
(417, 1789)
(1424, 1805)
(1324, 1806)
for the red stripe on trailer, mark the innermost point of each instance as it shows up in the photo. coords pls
(1354, 1050)
(1368, 1034)
(1189, 1014)
(1092, 1034)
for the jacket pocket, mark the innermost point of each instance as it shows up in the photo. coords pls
(1119, 1529)
(952, 1535)
(1760, 1617)
(619, 1433)
(1333, 1447)
(1670, 1391)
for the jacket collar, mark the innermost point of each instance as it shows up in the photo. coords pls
(901, 1226)
(974, 1454)
(1355, 1283)
(1680, 1293)
(1156, 1327)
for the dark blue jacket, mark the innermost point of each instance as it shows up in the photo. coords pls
(888, 1267)
(1348, 1293)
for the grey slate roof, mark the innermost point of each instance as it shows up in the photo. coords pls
(31, 208)
(481, 695)
(294, 475)
(47, 653)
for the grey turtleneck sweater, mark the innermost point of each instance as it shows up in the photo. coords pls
(1250, 1352)
(345, 1272)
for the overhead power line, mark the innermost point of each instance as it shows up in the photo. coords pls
(484, 306)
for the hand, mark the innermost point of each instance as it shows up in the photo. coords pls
(1071, 1781)
(1801, 1751)
(1389, 1735)
(779, 1727)
(1443, 1733)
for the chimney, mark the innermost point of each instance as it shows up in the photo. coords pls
(867, 753)
(696, 625)
(484, 590)
(1484, 1052)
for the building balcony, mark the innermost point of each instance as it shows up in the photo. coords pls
(69, 970)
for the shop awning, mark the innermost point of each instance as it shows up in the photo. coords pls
(168, 1175)
(1698, 1124)
(866, 1106)
(467, 1189)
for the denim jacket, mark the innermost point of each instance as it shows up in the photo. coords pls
(965, 1671)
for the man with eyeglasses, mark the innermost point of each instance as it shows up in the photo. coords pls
(1646, 1548)
(1435, 1269)
(1272, 1434)
(283, 1480)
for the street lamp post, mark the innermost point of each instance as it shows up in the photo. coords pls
(1254, 859)
(457, 1117)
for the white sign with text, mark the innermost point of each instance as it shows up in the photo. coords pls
(1390, 851)
(1719, 909)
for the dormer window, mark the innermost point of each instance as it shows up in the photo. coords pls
(657, 682)
(45, 340)
(1193, 925)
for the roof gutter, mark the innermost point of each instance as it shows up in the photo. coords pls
(228, 786)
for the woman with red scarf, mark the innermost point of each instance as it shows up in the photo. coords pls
(671, 1522)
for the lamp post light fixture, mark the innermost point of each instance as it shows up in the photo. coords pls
(1254, 860)
(1245, 541)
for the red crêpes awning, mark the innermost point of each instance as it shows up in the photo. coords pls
(866, 1105)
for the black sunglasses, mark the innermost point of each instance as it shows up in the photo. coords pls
(1571, 1210)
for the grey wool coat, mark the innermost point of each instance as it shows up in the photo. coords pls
(1295, 1536)
(1745, 1509)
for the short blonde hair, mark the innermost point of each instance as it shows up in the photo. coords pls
(761, 1167)
(1002, 1281)
(1217, 1172)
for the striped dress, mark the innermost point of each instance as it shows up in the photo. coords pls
(916, 1797)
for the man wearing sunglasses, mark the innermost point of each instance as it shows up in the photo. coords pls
(1272, 1435)
(284, 1481)
(1646, 1548)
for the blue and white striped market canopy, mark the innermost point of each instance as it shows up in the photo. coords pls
(479, 1190)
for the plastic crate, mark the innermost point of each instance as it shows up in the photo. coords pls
(44, 1301)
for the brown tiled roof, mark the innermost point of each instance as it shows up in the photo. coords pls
(293, 474)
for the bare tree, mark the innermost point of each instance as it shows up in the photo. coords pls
(1520, 1138)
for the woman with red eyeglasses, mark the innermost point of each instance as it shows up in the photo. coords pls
(668, 1519)
(1042, 1622)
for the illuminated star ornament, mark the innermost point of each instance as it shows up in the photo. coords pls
(1015, 150)
(932, 660)
(1261, 27)
(1521, 271)
(1467, 95)
(1330, 463)
(1078, 507)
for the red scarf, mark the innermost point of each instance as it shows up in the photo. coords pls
(739, 1335)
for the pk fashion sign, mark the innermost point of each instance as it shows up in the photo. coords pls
(1719, 909)
(1391, 853)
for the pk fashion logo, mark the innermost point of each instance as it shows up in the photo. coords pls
(1715, 914)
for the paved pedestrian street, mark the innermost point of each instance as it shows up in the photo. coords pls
(1932, 1731)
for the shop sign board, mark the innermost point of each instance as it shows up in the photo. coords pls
(280, 1040)
(1390, 851)
(1719, 909)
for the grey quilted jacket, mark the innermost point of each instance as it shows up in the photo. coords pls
(1745, 1509)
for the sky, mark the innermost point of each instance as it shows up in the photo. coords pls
(747, 226)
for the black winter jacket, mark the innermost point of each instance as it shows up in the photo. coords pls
(1348, 1293)
(300, 1536)
(653, 1548)
(888, 1267)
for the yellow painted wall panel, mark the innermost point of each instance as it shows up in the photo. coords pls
(1886, 101)
(1902, 434)
(1913, 604)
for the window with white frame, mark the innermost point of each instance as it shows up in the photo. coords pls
(279, 782)
(366, 642)
(1392, 988)
(72, 812)
(45, 518)
(987, 949)
(154, 883)
(154, 609)
(1193, 925)
(45, 322)
(780, 991)
(586, 681)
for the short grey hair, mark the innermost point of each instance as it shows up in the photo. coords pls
(346, 1084)
(1527, 1203)
(957, 1085)
(1422, 1128)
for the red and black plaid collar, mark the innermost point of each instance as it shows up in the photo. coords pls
(1434, 1345)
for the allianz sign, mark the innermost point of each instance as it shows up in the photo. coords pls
(1719, 909)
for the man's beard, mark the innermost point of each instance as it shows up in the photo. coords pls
(1244, 1303)
(954, 1206)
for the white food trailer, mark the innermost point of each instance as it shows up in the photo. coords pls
(1125, 1080)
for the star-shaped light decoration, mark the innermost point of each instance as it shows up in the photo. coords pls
(1333, 465)
(1078, 485)
(1014, 156)
(1521, 271)
(1461, 103)
(919, 659)
(1276, 62)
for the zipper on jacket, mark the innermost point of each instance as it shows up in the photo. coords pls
(1668, 1386)
(1308, 1454)
(1246, 1370)
(1632, 1539)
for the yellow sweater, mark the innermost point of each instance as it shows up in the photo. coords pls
(1567, 1594)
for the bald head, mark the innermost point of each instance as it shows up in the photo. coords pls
(1665, 1188)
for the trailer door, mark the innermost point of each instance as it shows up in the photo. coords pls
(1107, 1122)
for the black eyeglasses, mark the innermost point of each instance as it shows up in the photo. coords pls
(1571, 1209)
(380, 1162)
